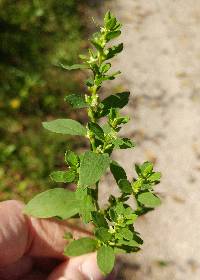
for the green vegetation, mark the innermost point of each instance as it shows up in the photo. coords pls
(35, 36)
(113, 224)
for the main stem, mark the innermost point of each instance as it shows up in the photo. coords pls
(91, 115)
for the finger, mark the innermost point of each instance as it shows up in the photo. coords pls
(17, 269)
(79, 268)
(21, 235)
(14, 234)
(46, 265)
(37, 275)
(48, 237)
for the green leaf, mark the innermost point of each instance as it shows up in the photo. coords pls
(105, 67)
(155, 177)
(138, 184)
(97, 130)
(80, 247)
(63, 176)
(107, 128)
(53, 203)
(123, 143)
(68, 235)
(111, 52)
(126, 233)
(71, 159)
(131, 218)
(149, 199)
(110, 21)
(76, 101)
(119, 250)
(118, 100)
(137, 169)
(121, 120)
(106, 259)
(86, 206)
(92, 167)
(74, 66)
(103, 234)
(117, 171)
(146, 168)
(131, 243)
(120, 209)
(65, 126)
(89, 82)
(125, 186)
(113, 34)
(99, 220)
(96, 43)
(107, 17)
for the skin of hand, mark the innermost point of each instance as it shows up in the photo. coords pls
(32, 249)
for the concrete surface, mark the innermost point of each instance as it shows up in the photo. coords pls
(161, 67)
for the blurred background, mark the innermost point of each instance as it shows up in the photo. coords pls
(34, 37)
(160, 66)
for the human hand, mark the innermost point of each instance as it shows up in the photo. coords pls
(32, 249)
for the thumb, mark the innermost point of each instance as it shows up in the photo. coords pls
(79, 268)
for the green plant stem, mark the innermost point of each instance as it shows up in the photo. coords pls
(97, 195)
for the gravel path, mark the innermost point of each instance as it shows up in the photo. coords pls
(161, 67)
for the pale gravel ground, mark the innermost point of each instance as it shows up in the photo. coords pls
(161, 67)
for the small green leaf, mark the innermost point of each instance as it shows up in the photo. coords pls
(103, 234)
(146, 168)
(126, 233)
(76, 101)
(107, 128)
(68, 235)
(137, 169)
(92, 167)
(96, 43)
(74, 66)
(131, 217)
(53, 203)
(99, 220)
(131, 243)
(106, 259)
(155, 177)
(110, 22)
(138, 184)
(118, 100)
(120, 209)
(121, 120)
(123, 143)
(86, 206)
(111, 52)
(117, 171)
(105, 68)
(71, 159)
(149, 199)
(107, 17)
(63, 176)
(80, 247)
(65, 126)
(97, 130)
(113, 34)
(125, 186)
(119, 250)
(89, 82)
